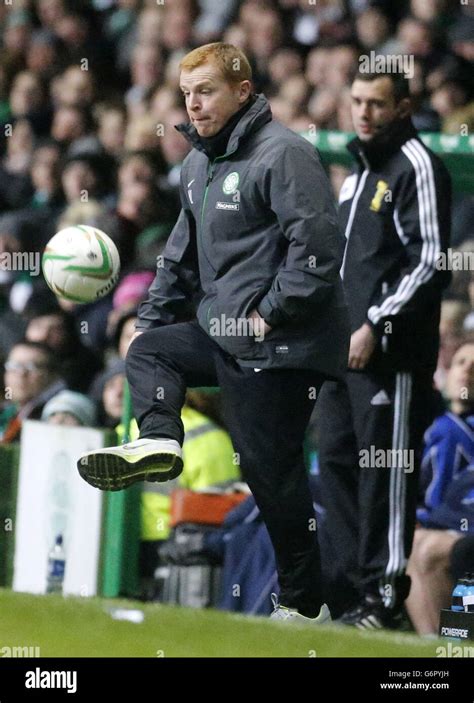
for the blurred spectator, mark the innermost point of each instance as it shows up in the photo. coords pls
(112, 125)
(283, 64)
(73, 125)
(74, 88)
(449, 442)
(451, 333)
(132, 290)
(322, 108)
(317, 66)
(50, 12)
(178, 18)
(69, 408)
(463, 274)
(48, 324)
(447, 485)
(16, 36)
(372, 29)
(31, 379)
(450, 101)
(86, 175)
(326, 19)
(90, 212)
(15, 185)
(19, 148)
(174, 148)
(213, 19)
(108, 391)
(124, 330)
(342, 66)
(146, 71)
(128, 295)
(42, 56)
(469, 320)
(45, 174)
(27, 96)
(142, 133)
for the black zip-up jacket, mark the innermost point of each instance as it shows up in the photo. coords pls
(395, 213)
(257, 229)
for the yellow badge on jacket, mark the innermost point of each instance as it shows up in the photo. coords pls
(378, 197)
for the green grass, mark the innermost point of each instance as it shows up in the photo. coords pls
(83, 627)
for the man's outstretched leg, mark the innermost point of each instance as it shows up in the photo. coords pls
(161, 363)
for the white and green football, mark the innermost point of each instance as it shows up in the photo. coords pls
(81, 264)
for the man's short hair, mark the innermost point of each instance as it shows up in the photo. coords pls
(400, 83)
(52, 361)
(229, 59)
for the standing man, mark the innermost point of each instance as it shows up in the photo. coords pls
(257, 246)
(395, 212)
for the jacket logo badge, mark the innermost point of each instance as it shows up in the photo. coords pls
(227, 206)
(231, 183)
(378, 197)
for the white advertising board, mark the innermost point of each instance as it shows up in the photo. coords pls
(54, 500)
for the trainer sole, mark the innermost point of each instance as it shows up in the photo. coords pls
(110, 472)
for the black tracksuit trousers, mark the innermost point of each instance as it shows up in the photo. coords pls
(266, 413)
(370, 439)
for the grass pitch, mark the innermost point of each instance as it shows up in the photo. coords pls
(84, 627)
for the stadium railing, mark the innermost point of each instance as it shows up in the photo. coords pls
(457, 152)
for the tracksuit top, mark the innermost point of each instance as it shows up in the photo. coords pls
(395, 213)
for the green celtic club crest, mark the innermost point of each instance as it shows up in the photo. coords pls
(231, 183)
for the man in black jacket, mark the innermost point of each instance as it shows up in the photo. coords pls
(395, 212)
(257, 247)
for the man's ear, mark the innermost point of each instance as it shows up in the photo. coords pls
(404, 107)
(245, 89)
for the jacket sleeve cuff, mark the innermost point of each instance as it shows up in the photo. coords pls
(271, 315)
(377, 330)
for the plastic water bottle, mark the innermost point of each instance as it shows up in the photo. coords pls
(56, 567)
(458, 593)
(468, 597)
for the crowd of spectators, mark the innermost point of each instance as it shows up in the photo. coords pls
(89, 96)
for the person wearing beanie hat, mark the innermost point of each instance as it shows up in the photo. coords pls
(70, 408)
(132, 289)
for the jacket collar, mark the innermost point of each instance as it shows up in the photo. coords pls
(252, 120)
(376, 152)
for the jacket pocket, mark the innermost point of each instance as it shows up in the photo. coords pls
(227, 324)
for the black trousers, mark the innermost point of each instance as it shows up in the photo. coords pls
(266, 413)
(370, 440)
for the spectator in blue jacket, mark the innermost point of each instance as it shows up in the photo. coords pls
(449, 442)
(447, 513)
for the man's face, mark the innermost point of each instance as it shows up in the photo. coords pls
(373, 107)
(26, 373)
(460, 379)
(64, 418)
(112, 396)
(210, 99)
(48, 329)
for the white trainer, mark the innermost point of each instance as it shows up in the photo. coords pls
(280, 612)
(114, 468)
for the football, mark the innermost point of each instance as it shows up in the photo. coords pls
(81, 264)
